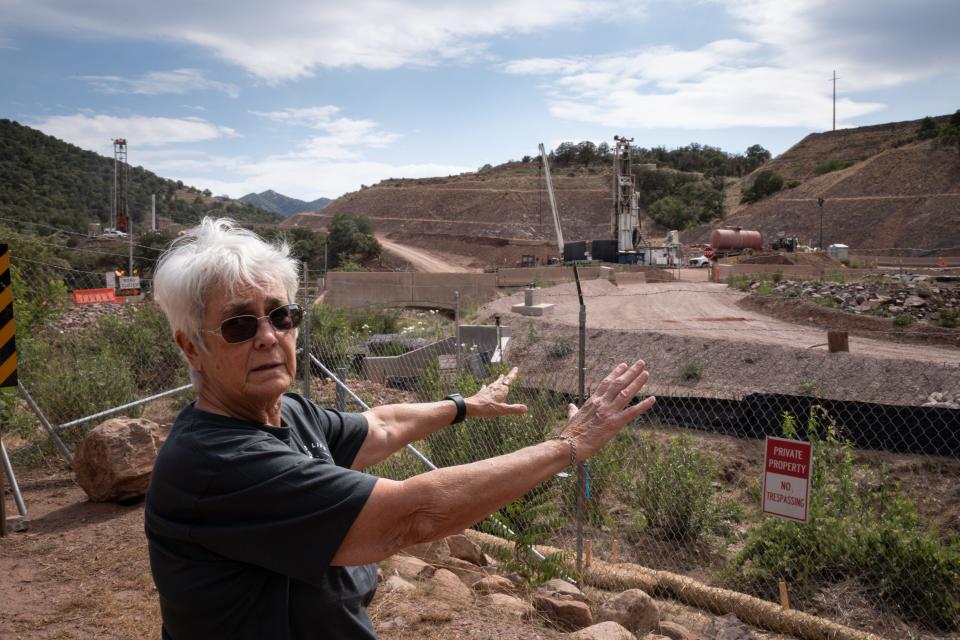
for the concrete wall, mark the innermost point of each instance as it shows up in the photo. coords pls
(407, 365)
(548, 276)
(408, 289)
(411, 364)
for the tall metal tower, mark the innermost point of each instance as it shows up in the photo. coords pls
(626, 211)
(119, 213)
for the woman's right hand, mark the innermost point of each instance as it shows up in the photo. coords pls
(608, 410)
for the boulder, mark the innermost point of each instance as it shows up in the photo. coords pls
(604, 631)
(396, 584)
(566, 614)
(430, 551)
(115, 459)
(675, 631)
(408, 567)
(462, 547)
(468, 572)
(562, 589)
(728, 627)
(447, 586)
(494, 584)
(509, 606)
(634, 609)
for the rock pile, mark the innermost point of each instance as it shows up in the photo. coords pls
(455, 571)
(929, 302)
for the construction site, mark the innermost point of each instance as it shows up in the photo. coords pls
(784, 319)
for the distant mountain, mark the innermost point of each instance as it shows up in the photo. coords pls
(46, 180)
(283, 205)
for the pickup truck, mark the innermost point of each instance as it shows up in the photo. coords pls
(699, 261)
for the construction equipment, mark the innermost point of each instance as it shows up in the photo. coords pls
(119, 213)
(626, 210)
(553, 202)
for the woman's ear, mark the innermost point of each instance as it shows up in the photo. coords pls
(190, 349)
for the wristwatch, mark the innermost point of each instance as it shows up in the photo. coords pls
(461, 407)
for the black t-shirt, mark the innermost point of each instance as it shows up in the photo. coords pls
(243, 520)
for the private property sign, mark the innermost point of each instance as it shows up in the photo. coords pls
(786, 479)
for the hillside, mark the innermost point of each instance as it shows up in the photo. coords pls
(48, 181)
(283, 205)
(900, 195)
(471, 212)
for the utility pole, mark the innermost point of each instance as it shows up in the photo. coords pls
(834, 99)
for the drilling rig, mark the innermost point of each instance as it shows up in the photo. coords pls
(119, 212)
(626, 210)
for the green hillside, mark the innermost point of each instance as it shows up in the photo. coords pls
(48, 181)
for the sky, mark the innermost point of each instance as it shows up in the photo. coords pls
(313, 98)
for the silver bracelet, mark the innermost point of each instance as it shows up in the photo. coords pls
(573, 447)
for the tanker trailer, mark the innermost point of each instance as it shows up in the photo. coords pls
(733, 242)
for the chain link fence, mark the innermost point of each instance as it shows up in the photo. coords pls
(677, 493)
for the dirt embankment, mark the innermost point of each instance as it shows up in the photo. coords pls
(735, 351)
(897, 194)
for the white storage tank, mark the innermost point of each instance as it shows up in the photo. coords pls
(839, 252)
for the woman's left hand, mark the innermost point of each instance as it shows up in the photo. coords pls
(491, 400)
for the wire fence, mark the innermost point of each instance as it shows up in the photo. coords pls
(678, 492)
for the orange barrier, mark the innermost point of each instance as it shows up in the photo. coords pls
(92, 296)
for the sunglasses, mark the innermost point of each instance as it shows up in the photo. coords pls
(242, 328)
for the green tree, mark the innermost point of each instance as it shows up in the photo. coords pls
(351, 237)
(765, 184)
(949, 136)
(586, 152)
(928, 129)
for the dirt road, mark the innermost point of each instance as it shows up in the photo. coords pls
(426, 261)
(703, 310)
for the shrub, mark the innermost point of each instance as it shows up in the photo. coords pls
(561, 348)
(860, 527)
(765, 184)
(949, 318)
(903, 320)
(832, 165)
(673, 485)
(791, 184)
(928, 129)
(691, 369)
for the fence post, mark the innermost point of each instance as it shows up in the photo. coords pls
(305, 387)
(456, 319)
(340, 397)
(581, 397)
(3, 504)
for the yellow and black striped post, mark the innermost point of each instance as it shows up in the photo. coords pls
(8, 345)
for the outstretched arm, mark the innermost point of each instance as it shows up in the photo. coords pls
(393, 426)
(435, 504)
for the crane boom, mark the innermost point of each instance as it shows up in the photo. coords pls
(553, 202)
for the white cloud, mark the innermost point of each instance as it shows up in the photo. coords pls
(343, 137)
(177, 81)
(309, 179)
(96, 132)
(777, 75)
(289, 39)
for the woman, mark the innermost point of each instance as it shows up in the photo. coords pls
(260, 521)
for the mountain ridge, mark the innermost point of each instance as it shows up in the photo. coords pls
(280, 204)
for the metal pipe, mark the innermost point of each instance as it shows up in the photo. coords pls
(43, 421)
(14, 488)
(123, 407)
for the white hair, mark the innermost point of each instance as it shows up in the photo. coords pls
(217, 253)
